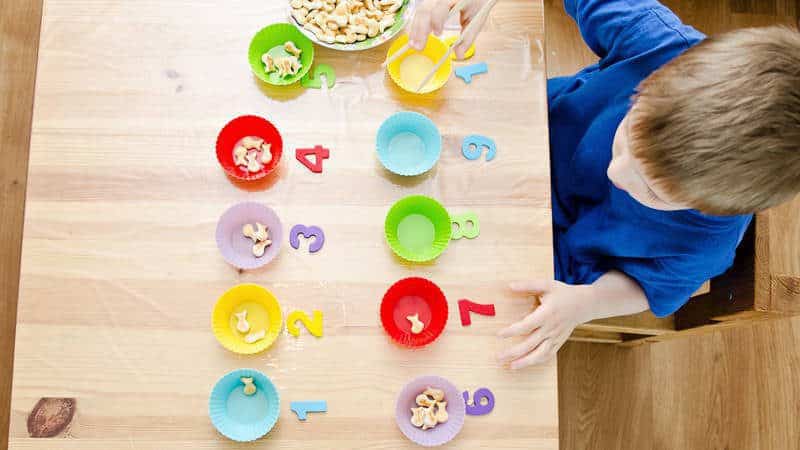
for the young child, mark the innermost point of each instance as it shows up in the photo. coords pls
(660, 153)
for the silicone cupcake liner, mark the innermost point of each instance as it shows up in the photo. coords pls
(235, 247)
(402, 18)
(408, 143)
(411, 296)
(241, 417)
(418, 228)
(469, 53)
(408, 78)
(270, 40)
(239, 128)
(263, 313)
(441, 433)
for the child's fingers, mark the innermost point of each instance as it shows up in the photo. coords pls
(429, 17)
(542, 353)
(420, 26)
(523, 348)
(441, 9)
(468, 38)
(531, 322)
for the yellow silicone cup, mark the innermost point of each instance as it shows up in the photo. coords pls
(470, 51)
(263, 313)
(409, 70)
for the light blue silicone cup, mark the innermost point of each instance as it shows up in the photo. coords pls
(240, 417)
(408, 143)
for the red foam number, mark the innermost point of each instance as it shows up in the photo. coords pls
(318, 151)
(465, 307)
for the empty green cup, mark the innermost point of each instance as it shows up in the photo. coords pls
(418, 228)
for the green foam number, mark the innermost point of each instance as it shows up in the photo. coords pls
(467, 226)
(315, 81)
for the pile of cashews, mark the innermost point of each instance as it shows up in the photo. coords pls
(345, 21)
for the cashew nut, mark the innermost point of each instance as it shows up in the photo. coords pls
(249, 387)
(255, 336)
(346, 21)
(416, 325)
(242, 325)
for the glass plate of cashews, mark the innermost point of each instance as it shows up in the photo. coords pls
(351, 25)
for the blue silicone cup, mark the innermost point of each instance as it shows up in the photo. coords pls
(240, 417)
(408, 143)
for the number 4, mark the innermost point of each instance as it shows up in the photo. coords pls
(318, 151)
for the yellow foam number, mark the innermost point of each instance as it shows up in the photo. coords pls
(314, 326)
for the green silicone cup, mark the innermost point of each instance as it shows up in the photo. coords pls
(418, 228)
(270, 40)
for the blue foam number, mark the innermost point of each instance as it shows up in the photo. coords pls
(314, 81)
(303, 408)
(473, 146)
(478, 408)
(467, 72)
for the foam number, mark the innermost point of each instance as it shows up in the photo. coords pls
(319, 152)
(303, 408)
(315, 81)
(467, 226)
(313, 231)
(465, 307)
(467, 72)
(474, 144)
(314, 326)
(482, 402)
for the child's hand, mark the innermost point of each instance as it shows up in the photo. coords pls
(431, 16)
(563, 307)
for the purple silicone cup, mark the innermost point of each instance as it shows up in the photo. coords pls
(441, 433)
(235, 247)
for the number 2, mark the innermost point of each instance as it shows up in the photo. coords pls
(315, 81)
(314, 326)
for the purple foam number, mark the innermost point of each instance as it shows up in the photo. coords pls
(308, 233)
(477, 408)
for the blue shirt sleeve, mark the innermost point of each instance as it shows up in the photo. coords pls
(669, 282)
(620, 29)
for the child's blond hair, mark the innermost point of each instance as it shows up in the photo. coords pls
(718, 128)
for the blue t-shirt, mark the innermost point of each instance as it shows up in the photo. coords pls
(597, 227)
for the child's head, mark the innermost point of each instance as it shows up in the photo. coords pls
(718, 128)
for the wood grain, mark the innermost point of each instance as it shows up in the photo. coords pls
(119, 265)
(19, 41)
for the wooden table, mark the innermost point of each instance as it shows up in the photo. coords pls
(120, 269)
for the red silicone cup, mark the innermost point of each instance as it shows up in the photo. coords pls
(239, 128)
(414, 296)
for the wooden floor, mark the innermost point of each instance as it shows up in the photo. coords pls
(736, 389)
